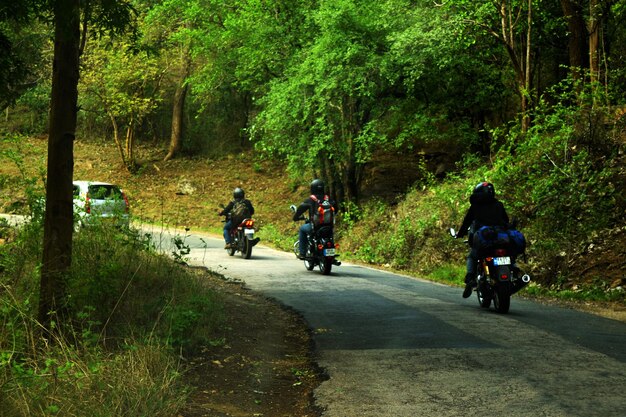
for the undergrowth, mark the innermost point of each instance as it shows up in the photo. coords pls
(131, 313)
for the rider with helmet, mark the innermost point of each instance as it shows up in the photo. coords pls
(238, 196)
(485, 210)
(317, 191)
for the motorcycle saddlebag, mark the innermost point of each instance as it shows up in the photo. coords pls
(518, 242)
(488, 238)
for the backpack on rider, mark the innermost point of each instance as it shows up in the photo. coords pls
(323, 212)
(239, 213)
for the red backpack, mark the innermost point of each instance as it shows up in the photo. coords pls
(323, 213)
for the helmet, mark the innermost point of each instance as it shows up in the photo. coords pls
(238, 193)
(317, 187)
(484, 191)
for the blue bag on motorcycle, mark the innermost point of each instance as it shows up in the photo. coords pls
(488, 238)
(518, 242)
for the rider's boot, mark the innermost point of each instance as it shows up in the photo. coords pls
(469, 284)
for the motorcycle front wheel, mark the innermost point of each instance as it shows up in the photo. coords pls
(484, 297)
(309, 263)
(502, 297)
(231, 251)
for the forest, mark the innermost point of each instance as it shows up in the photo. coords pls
(400, 106)
(526, 94)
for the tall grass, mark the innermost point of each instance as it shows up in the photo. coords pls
(132, 313)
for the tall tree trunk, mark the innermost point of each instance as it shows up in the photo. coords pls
(178, 112)
(176, 138)
(593, 27)
(58, 222)
(577, 39)
(526, 93)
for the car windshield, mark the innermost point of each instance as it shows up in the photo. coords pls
(104, 192)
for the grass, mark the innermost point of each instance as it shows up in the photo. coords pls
(132, 312)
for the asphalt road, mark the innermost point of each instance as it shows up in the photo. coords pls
(398, 346)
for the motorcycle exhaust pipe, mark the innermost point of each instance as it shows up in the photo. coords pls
(518, 284)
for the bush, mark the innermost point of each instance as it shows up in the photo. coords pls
(131, 312)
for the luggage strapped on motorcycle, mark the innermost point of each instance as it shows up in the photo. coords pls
(324, 213)
(487, 238)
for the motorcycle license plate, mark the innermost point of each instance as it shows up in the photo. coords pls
(329, 252)
(504, 260)
(248, 232)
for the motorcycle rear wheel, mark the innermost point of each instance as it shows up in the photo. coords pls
(246, 249)
(502, 298)
(326, 265)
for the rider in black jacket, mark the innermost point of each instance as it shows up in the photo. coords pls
(238, 195)
(485, 210)
(317, 190)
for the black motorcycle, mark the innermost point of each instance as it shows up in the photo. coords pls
(321, 249)
(497, 276)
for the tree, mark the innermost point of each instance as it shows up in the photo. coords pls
(127, 86)
(511, 24)
(323, 113)
(59, 220)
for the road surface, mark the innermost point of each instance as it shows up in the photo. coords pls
(393, 345)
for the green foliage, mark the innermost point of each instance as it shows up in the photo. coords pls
(128, 309)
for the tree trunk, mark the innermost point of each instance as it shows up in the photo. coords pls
(116, 137)
(176, 139)
(58, 222)
(577, 43)
(593, 27)
(178, 112)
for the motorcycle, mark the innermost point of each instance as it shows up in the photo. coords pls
(497, 277)
(321, 248)
(241, 237)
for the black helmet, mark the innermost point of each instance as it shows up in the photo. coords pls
(238, 194)
(484, 191)
(317, 187)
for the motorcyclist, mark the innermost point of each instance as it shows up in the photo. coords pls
(317, 190)
(238, 196)
(485, 210)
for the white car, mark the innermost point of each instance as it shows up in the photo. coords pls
(100, 201)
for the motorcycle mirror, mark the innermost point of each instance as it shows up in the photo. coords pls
(292, 208)
(452, 232)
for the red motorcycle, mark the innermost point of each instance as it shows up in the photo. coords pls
(242, 239)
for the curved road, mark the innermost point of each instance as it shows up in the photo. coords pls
(399, 346)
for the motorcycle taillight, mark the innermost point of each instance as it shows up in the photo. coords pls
(500, 252)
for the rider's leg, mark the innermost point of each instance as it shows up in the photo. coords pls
(305, 230)
(227, 227)
(470, 275)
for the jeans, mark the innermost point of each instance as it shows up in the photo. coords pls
(227, 226)
(305, 230)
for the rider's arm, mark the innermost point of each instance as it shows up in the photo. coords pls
(467, 221)
(300, 211)
(227, 209)
(250, 207)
